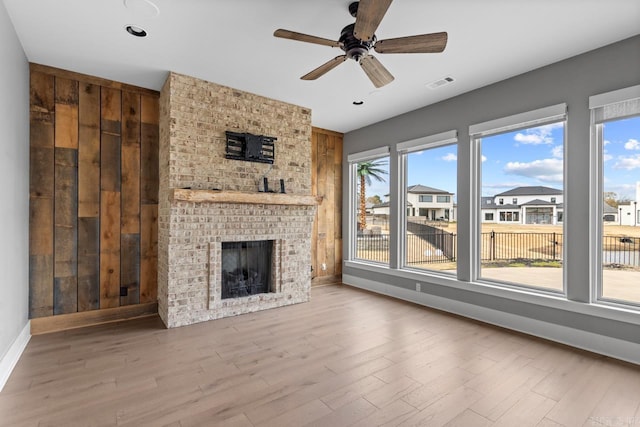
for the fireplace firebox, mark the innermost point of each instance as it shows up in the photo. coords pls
(246, 268)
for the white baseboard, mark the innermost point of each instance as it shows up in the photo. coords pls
(8, 362)
(612, 347)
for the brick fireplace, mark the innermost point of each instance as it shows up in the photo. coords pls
(207, 200)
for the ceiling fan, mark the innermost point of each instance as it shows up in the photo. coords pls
(357, 39)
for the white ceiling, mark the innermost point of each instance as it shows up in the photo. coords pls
(230, 42)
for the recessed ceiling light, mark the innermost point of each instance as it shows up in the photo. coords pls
(358, 102)
(136, 31)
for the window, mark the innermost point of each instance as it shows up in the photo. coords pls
(616, 130)
(509, 216)
(553, 200)
(488, 216)
(526, 149)
(424, 198)
(369, 212)
(429, 242)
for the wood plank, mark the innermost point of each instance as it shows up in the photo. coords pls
(65, 295)
(109, 249)
(85, 78)
(66, 212)
(330, 206)
(41, 165)
(219, 196)
(89, 151)
(66, 231)
(41, 285)
(130, 164)
(66, 104)
(130, 268)
(337, 184)
(150, 109)
(41, 96)
(111, 110)
(149, 149)
(88, 264)
(149, 253)
(110, 163)
(322, 208)
(90, 318)
(41, 191)
(327, 132)
(314, 192)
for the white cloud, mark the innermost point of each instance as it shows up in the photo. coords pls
(557, 151)
(529, 138)
(606, 157)
(484, 158)
(538, 135)
(632, 144)
(548, 170)
(607, 142)
(449, 157)
(627, 163)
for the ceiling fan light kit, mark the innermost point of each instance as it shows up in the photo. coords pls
(357, 40)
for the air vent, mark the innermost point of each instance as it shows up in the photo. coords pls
(440, 82)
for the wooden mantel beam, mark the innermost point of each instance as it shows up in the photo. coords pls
(219, 196)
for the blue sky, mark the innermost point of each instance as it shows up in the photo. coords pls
(621, 155)
(526, 157)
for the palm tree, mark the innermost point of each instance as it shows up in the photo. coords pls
(366, 171)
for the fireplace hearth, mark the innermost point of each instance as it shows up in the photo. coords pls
(246, 268)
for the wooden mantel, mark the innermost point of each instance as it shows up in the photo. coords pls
(220, 196)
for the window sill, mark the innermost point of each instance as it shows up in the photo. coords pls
(618, 312)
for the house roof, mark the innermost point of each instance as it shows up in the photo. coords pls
(538, 202)
(423, 189)
(531, 191)
(386, 205)
(608, 209)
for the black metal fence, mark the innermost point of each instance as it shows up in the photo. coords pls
(373, 247)
(496, 246)
(440, 246)
(431, 248)
(621, 251)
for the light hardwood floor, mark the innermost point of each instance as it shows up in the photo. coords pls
(347, 358)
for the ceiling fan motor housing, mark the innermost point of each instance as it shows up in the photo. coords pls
(352, 46)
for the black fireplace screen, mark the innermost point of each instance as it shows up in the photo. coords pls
(246, 268)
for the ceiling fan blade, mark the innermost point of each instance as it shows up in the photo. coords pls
(369, 16)
(424, 43)
(376, 72)
(292, 35)
(325, 68)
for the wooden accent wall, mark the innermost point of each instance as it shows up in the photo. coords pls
(93, 193)
(326, 185)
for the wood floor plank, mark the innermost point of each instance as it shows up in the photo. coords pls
(296, 366)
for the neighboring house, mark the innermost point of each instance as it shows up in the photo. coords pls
(424, 202)
(609, 213)
(627, 213)
(430, 203)
(383, 208)
(524, 205)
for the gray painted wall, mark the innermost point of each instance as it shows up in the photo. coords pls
(14, 190)
(571, 81)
